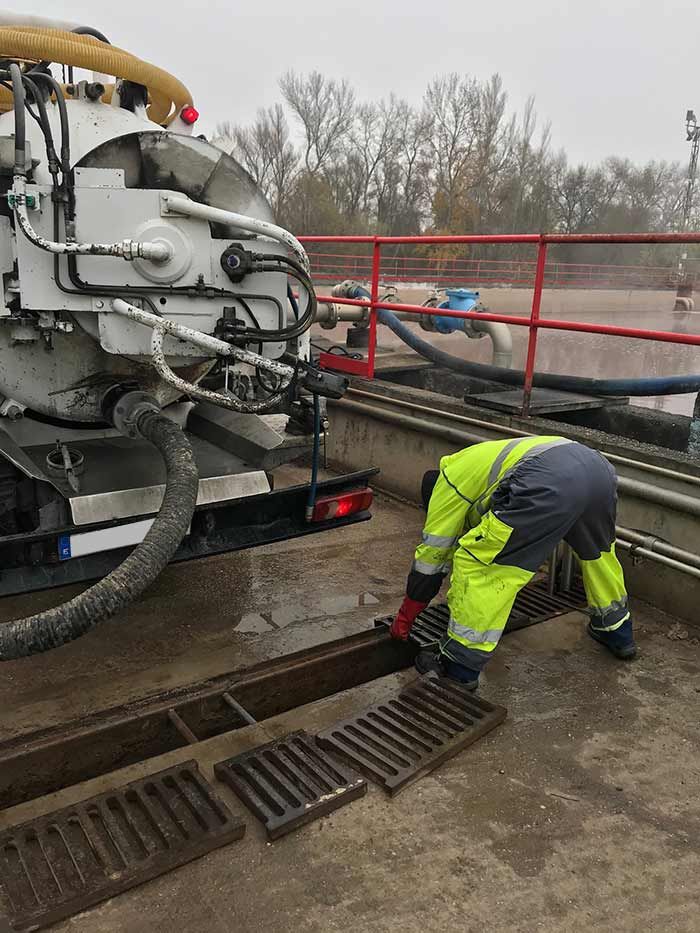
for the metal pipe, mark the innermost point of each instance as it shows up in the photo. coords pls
(676, 501)
(498, 332)
(213, 347)
(651, 543)
(127, 249)
(453, 435)
(567, 568)
(501, 341)
(181, 205)
(660, 559)
(509, 431)
(652, 468)
(453, 416)
(552, 571)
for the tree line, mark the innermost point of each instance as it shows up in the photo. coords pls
(458, 163)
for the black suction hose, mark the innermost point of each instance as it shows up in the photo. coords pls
(659, 385)
(55, 627)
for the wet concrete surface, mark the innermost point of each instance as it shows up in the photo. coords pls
(206, 617)
(579, 354)
(581, 812)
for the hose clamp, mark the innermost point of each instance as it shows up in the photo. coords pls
(129, 410)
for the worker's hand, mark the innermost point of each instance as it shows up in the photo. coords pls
(405, 617)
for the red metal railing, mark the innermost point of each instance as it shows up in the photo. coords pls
(441, 270)
(365, 367)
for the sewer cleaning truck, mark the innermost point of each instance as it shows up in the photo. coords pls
(154, 337)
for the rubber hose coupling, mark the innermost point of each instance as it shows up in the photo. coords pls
(129, 409)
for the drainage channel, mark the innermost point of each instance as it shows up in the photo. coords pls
(39, 763)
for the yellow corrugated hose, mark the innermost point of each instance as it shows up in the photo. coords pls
(30, 43)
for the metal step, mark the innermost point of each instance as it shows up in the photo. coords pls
(542, 401)
(398, 741)
(290, 782)
(60, 864)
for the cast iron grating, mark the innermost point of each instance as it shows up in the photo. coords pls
(58, 865)
(290, 782)
(533, 604)
(398, 741)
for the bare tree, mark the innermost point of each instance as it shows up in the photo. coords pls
(461, 162)
(451, 105)
(266, 152)
(325, 109)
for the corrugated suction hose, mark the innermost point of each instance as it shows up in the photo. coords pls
(55, 627)
(168, 95)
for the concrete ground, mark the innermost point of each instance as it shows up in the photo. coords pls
(581, 812)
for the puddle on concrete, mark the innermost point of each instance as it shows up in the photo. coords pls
(318, 609)
(253, 622)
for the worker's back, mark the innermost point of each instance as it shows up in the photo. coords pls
(475, 471)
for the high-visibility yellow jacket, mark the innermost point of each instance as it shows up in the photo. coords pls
(459, 501)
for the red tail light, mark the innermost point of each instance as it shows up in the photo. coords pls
(342, 505)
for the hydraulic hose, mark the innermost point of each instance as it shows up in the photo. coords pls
(315, 457)
(55, 627)
(91, 31)
(20, 121)
(659, 385)
(29, 43)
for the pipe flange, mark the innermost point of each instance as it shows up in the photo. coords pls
(426, 320)
(179, 244)
(472, 326)
(129, 409)
(331, 320)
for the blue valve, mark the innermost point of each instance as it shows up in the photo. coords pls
(458, 299)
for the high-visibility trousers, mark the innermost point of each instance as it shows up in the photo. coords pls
(566, 493)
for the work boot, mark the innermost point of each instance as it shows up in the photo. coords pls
(620, 642)
(430, 662)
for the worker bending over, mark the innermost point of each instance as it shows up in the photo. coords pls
(496, 512)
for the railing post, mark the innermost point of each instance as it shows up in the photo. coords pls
(374, 297)
(534, 318)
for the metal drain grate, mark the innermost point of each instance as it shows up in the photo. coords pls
(290, 782)
(57, 865)
(396, 742)
(533, 604)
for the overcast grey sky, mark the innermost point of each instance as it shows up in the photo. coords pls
(613, 78)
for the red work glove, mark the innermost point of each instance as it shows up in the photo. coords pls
(406, 616)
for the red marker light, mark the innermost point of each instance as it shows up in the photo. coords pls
(342, 505)
(189, 115)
